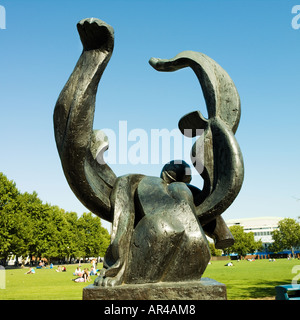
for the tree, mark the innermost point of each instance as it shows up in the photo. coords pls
(287, 236)
(21, 227)
(30, 227)
(214, 252)
(55, 233)
(95, 238)
(244, 242)
(38, 213)
(8, 191)
(72, 236)
(8, 199)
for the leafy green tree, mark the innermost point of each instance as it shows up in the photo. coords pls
(214, 252)
(72, 236)
(21, 229)
(38, 213)
(244, 242)
(287, 236)
(8, 191)
(95, 238)
(8, 202)
(55, 233)
(105, 241)
(30, 227)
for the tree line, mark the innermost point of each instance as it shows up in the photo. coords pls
(29, 227)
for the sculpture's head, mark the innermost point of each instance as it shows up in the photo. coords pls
(176, 171)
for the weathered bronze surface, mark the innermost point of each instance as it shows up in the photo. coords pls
(158, 223)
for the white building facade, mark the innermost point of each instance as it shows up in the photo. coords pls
(262, 228)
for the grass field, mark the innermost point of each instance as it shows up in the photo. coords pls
(245, 280)
(45, 284)
(252, 279)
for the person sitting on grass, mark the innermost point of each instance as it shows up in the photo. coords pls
(93, 272)
(30, 271)
(77, 272)
(85, 277)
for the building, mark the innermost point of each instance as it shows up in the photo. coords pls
(262, 228)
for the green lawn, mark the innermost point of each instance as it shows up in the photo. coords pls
(245, 280)
(45, 284)
(252, 280)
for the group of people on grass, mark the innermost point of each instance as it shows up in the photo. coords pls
(81, 275)
(61, 269)
(85, 275)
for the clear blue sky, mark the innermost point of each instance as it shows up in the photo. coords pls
(252, 40)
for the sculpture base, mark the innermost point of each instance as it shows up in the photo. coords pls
(205, 289)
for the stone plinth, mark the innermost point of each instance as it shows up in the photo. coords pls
(205, 289)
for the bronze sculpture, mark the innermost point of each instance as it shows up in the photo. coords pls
(158, 223)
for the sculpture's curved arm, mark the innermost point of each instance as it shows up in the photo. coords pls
(221, 96)
(223, 163)
(77, 143)
(228, 173)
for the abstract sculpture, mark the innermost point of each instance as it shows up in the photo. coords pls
(158, 223)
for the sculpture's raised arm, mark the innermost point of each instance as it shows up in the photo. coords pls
(223, 169)
(77, 143)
